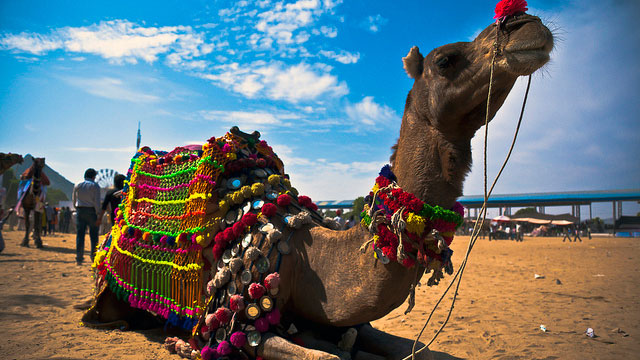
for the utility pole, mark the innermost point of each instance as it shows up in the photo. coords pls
(138, 138)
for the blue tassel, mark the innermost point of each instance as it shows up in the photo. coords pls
(386, 172)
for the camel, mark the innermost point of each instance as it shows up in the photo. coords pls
(333, 282)
(8, 160)
(31, 200)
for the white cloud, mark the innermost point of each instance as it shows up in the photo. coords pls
(277, 81)
(329, 31)
(369, 113)
(373, 23)
(30, 43)
(248, 119)
(343, 56)
(111, 88)
(126, 149)
(354, 178)
(118, 41)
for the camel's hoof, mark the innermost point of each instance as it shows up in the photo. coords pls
(24, 244)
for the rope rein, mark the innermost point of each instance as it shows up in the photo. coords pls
(483, 212)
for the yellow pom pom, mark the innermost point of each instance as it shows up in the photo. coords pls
(231, 156)
(257, 189)
(274, 180)
(286, 183)
(415, 223)
(200, 239)
(124, 229)
(237, 197)
(246, 191)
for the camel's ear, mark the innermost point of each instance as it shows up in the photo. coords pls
(413, 63)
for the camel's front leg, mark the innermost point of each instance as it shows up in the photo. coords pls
(389, 346)
(274, 347)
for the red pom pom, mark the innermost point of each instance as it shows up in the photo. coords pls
(262, 325)
(261, 162)
(218, 250)
(238, 229)
(220, 238)
(269, 209)
(228, 234)
(182, 237)
(256, 291)
(236, 303)
(408, 262)
(272, 281)
(211, 323)
(273, 317)
(284, 200)
(223, 315)
(249, 219)
(304, 200)
(313, 206)
(505, 8)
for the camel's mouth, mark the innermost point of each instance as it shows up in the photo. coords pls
(529, 46)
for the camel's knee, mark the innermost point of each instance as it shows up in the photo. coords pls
(274, 347)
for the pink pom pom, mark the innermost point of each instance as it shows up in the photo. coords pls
(256, 291)
(249, 219)
(273, 317)
(236, 303)
(226, 148)
(182, 237)
(262, 325)
(223, 315)
(284, 200)
(208, 353)
(228, 234)
(269, 209)
(224, 348)
(272, 281)
(238, 339)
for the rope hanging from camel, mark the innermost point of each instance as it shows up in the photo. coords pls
(481, 216)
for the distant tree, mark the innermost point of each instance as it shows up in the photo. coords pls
(10, 182)
(54, 196)
(525, 211)
(358, 205)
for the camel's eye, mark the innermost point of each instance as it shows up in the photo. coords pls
(443, 62)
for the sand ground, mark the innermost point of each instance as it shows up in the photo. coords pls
(498, 313)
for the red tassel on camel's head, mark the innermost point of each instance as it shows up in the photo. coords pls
(505, 8)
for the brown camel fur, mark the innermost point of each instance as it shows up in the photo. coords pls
(8, 160)
(326, 281)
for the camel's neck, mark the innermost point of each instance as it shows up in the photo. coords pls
(429, 165)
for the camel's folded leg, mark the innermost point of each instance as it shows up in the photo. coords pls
(274, 347)
(390, 346)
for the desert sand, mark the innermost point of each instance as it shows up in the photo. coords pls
(498, 313)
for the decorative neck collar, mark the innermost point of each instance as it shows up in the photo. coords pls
(407, 230)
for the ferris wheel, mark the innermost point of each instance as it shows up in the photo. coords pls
(105, 177)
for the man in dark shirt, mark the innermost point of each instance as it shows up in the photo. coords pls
(113, 198)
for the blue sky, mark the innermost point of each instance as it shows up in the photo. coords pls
(322, 80)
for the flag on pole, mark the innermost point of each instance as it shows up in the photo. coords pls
(139, 137)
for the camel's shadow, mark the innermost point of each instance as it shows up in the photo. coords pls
(438, 355)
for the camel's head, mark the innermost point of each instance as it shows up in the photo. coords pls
(38, 162)
(452, 81)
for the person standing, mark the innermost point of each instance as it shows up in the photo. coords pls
(86, 199)
(113, 198)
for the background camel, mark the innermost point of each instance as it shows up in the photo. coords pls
(327, 284)
(31, 199)
(8, 160)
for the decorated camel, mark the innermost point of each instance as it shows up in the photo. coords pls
(31, 198)
(216, 240)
